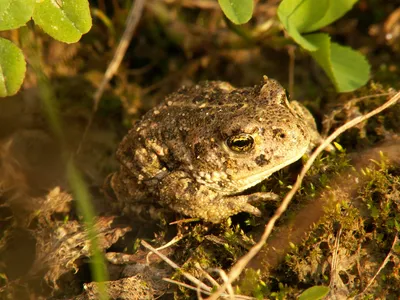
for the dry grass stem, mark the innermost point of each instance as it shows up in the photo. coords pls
(202, 287)
(206, 275)
(190, 287)
(242, 263)
(224, 277)
(385, 261)
(182, 221)
(176, 267)
(334, 264)
(292, 56)
(328, 121)
(337, 288)
(132, 21)
(359, 265)
(169, 244)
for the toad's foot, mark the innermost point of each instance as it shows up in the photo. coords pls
(252, 199)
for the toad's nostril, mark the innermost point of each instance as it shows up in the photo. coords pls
(279, 133)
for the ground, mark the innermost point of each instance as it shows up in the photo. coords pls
(340, 230)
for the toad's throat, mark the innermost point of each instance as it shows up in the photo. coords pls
(246, 182)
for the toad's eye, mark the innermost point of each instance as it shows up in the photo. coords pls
(240, 143)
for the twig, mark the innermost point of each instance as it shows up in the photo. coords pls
(169, 244)
(198, 293)
(184, 221)
(359, 266)
(336, 285)
(292, 54)
(241, 263)
(330, 119)
(204, 292)
(176, 267)
(206, 275)
(335, 259)
(131, 24)
(385, 261)
(190, 287)
(200, 285)
(224, 277)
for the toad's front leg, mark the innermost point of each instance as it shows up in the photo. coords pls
(184, 195)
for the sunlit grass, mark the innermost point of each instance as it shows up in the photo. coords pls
(82, 196)
(75, 179)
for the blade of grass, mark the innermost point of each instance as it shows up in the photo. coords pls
(82, 196)
(74, 177)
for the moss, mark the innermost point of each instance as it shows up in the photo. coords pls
(367, 222)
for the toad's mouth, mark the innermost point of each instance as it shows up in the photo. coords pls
(246, 182)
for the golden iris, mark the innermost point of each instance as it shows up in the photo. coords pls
(242, 142)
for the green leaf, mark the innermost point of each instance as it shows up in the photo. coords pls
(336, 9)
(350, 67)
(12, 68)
(310, 15)
(64, 20)
(238, 11)
(299, 15)
(322, 42)
(302, 16)
(314, 293)
(299, 39)
(347, 69)
(15, 13)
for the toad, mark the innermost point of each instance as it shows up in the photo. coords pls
(204, 145)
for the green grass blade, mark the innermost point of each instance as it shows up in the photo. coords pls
(82, 196)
